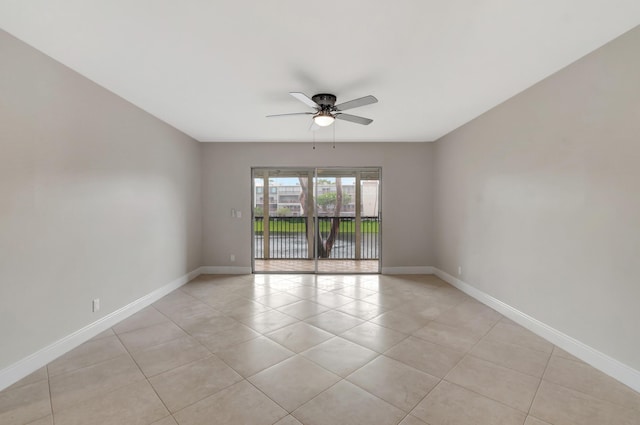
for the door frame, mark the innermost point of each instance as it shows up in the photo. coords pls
(313, 176)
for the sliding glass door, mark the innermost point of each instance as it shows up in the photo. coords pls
(316, 220)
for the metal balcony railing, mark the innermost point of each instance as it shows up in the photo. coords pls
(288, 237)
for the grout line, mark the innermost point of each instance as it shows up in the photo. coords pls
(53, 418)
(143, 374)
(540, 383)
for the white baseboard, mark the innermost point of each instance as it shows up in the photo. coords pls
(612, 367)
(225, 270)
(408, 270)
(40, 358)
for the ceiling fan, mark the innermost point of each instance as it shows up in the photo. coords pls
(326, 111)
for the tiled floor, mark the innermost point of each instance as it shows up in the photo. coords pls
(318, 350)
(324, 266)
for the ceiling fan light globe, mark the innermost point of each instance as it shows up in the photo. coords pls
(323, 120)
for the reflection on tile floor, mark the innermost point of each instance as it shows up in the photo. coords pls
(316, 350)
(324, 266)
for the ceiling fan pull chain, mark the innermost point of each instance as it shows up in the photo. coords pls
(334, 135)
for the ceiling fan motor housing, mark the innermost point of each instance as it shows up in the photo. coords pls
(325, 100)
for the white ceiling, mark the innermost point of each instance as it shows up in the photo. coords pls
(214, 69)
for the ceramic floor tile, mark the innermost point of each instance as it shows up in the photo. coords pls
(163, 357)
(373, 336)
(584, 378)
(236, 334)
(47, 420)
(166, 421)
(210, 326)
(516, 334)
(299, 336)
(559, 352)
(535, 421)
(293, 382)
(303, 309)
(87, 354)
(516, 357)
(449, 404)
(333, 321)
(399, 321)
(190, 316)
(507, 386)
(239, 404)
(346, 404)
(135, 404)
(304, 292)
(331, 300)
(192, 382)
(150, 336)
(563, 406)
(288, 420)
(146, 317)
(74, 387)
(459, 339)
(340, 356)
(355, 292)
(412, 420)
(25, 403)
(394, 382)
(426, 310)
(433, 359)
(104, 334)
(362, 309)
(277, 299)
(385, 301)
(470, 315)
(38, 375)
(254, 355)
(268, 321)
(100, 383)
(243, 308)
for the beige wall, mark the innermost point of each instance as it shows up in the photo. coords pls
(538, 200)
(98, 199)
(406, 194)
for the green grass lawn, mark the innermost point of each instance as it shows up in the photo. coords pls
(298, 226)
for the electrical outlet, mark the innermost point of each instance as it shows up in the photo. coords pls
(459, 270)
(95, 305)
(233, 213)
(239, 214)
(233, 258)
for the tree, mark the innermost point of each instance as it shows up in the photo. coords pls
(283, 212)
(258, 212)
(324, 245)
(328, 200)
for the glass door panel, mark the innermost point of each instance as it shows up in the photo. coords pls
(323, 220)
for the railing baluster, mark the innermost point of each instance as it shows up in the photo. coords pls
(288, 237)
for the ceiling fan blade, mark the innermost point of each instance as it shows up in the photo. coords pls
(354, 118)
(356, 103)
(305, 99)
(294, 113)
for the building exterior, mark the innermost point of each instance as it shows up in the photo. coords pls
(283, 197)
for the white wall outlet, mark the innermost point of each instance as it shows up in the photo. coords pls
(239, 214)
(95, 305)
(233, 212)
(459, 270)
(233, 258)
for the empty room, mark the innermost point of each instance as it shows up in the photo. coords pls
(328, 213)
